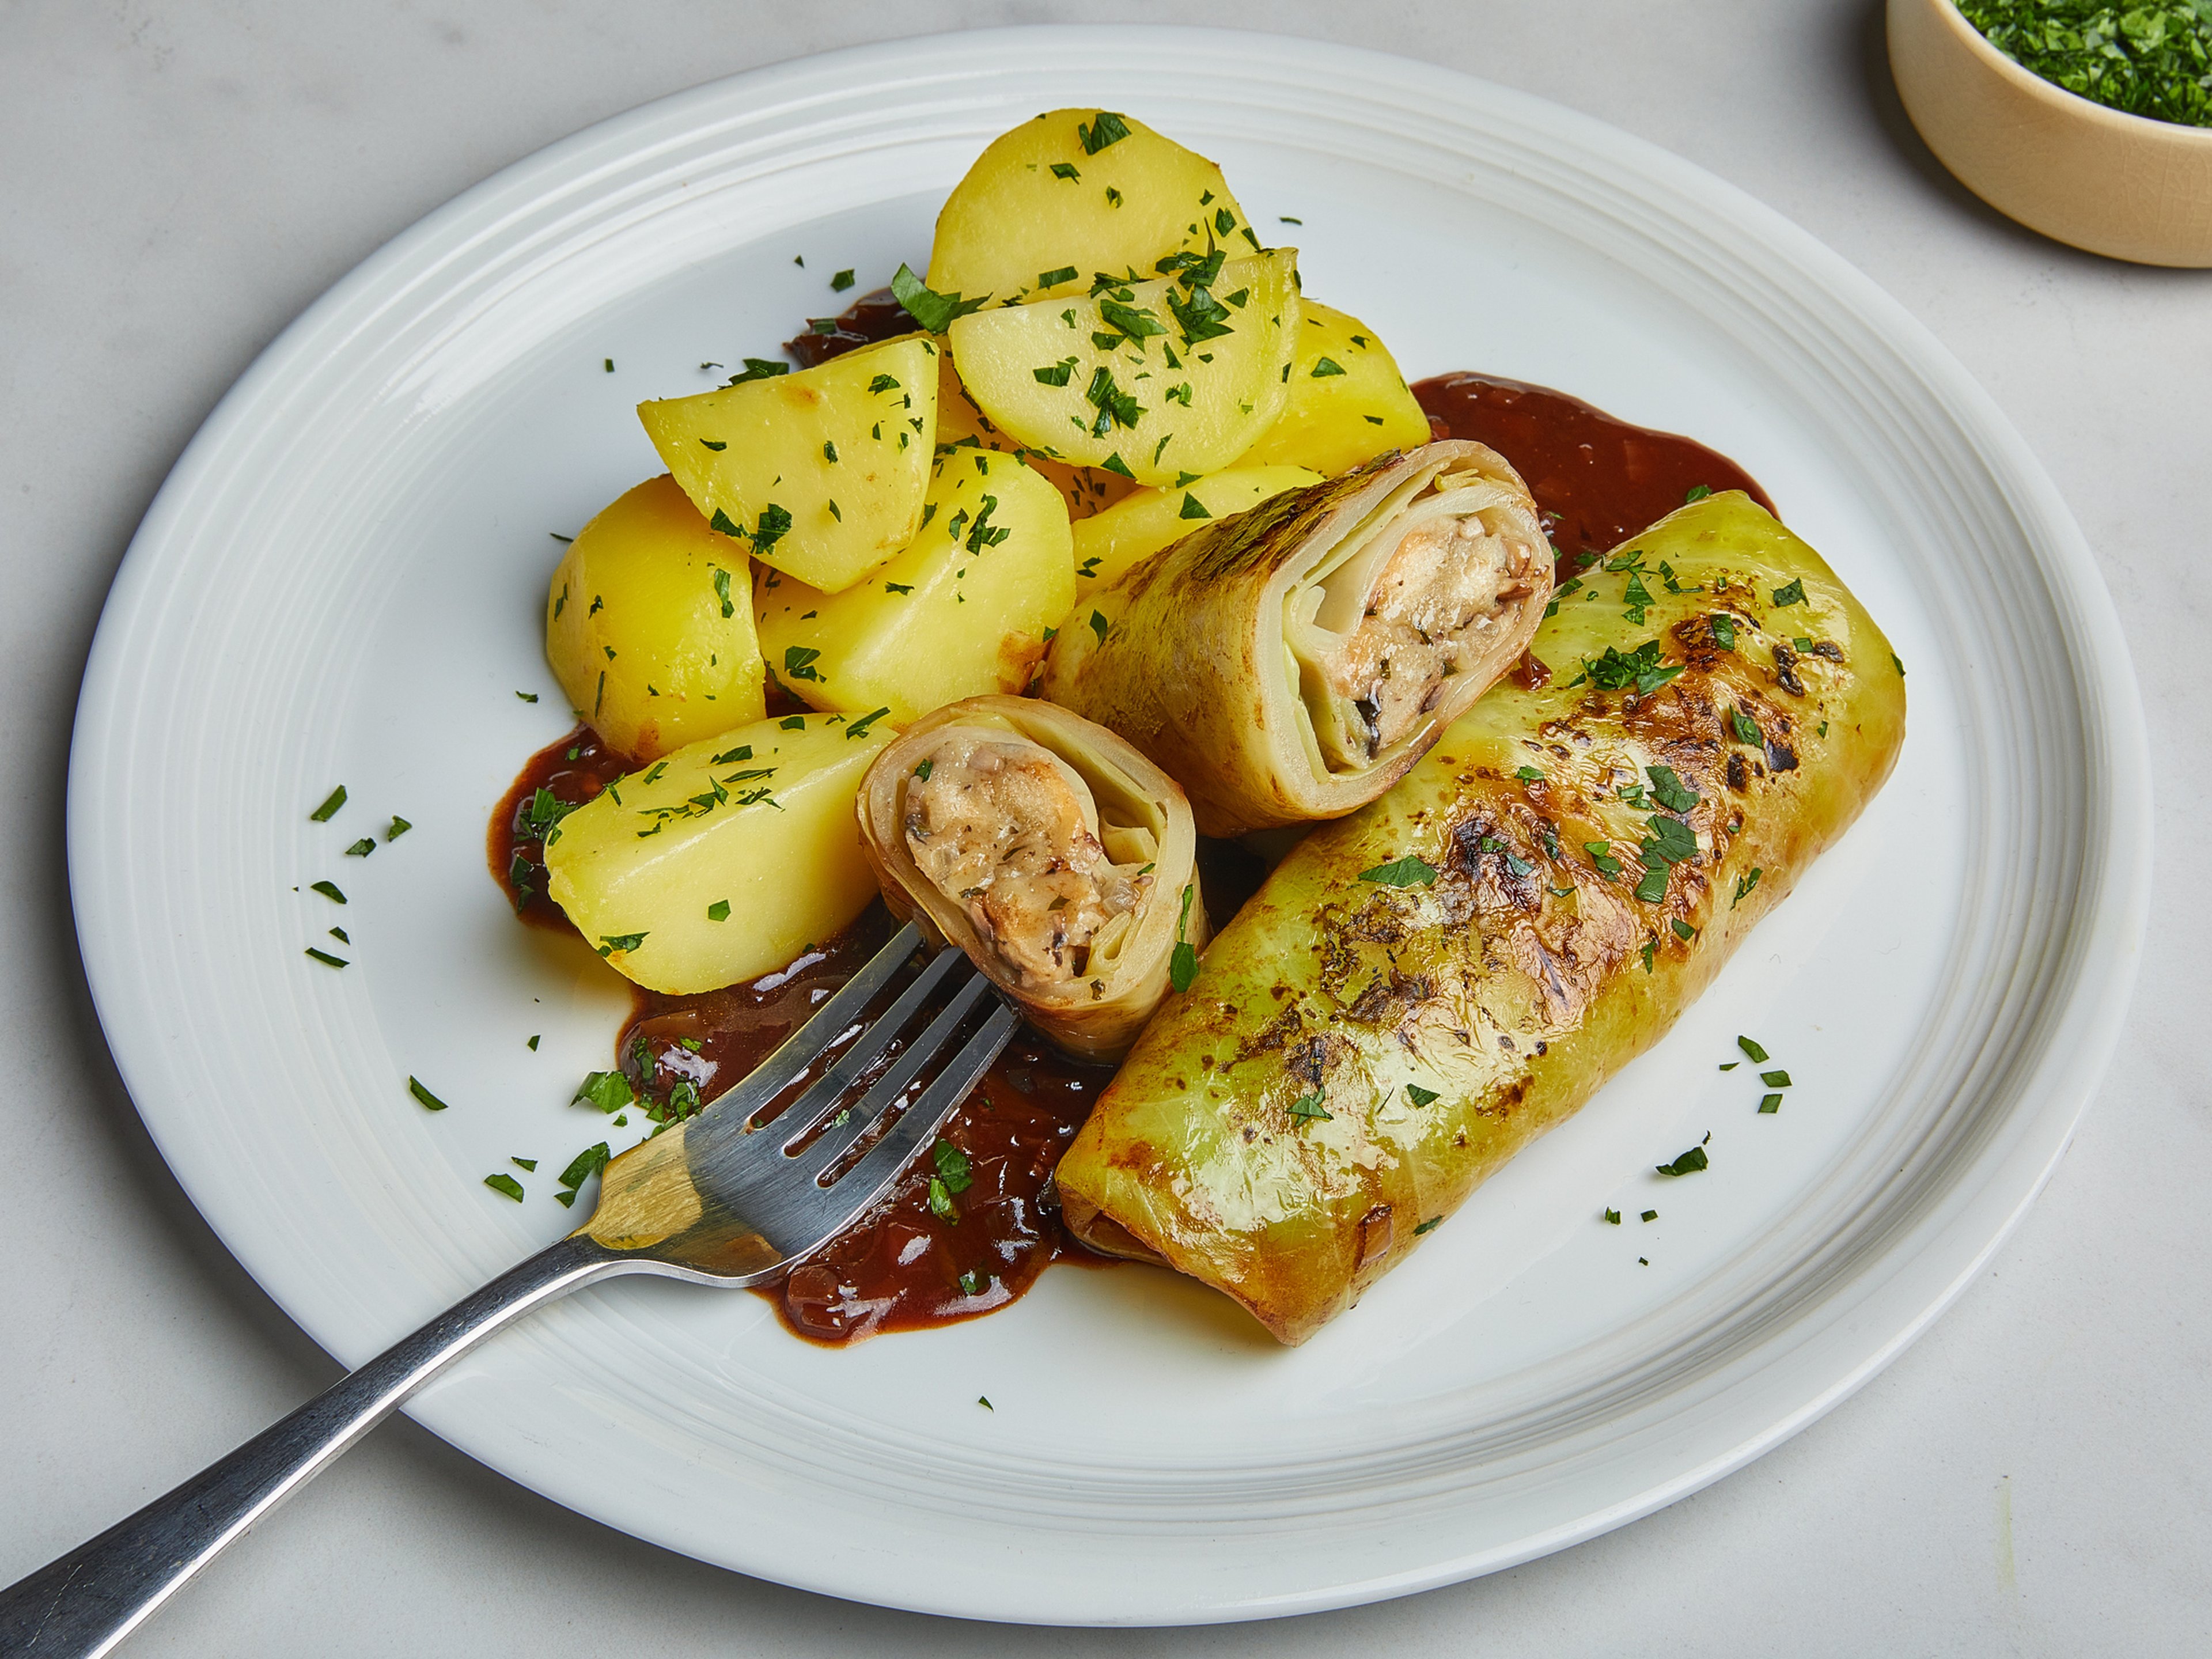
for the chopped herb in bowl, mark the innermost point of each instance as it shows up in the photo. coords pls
(2153, 60)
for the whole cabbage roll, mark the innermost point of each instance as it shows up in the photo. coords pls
(1055, 855)
(1420, 991)
(1289, 663)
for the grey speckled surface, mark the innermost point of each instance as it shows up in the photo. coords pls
(178, 181)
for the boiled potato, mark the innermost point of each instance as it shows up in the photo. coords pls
(1157, 380)
(724, 860)
(648, 627)
(1145, 521)
(961, 612)
(1073, 192)
(823, 471)
(1086, 489)
(1348, 402)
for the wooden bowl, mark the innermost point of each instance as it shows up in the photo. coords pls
(2120, 184)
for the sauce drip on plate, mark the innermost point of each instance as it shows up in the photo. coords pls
(905, 1265)
(1597, 481)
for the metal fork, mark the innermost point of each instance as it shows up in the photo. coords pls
(716, 1200)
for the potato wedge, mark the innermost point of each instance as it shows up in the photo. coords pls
(725, 859)
(1086, 489)
(1348, 403)
(1073, 192)
(1143, 521)
(823, 471)
(1155, 381)
(961, 612)
(648, 627)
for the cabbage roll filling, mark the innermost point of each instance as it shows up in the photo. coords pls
(1011, 833)
(1420, 592)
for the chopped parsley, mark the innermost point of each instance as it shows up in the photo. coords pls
(397, 828)
(1601, 854)
(504, 1182)
(1106, 128)
(1640, 669)
(858, 728)
(1770, 1103)
(719, 910)
(760, 369)
(1743, 886)
(798, 663)
(1745, 728)
(1696, 493)
(610, 943)
(1308, 1107)
(1419, 1096)
(1410, 871)
(952, 1166)
(923, 770)
(1650, 1215)
(328, 890)
(1325, 366)
(1098, 626)
(1752, 1051)
(1056, 373)
(1529, 774)
(1775, 1079)
(940, 1201)
(1428, 1226)
(430, 1102)
(972, 1283)
(1794, 593)
(1612, 1217)
(1670, 791)
(1183, 963)
(773, 522)
(840, 282)
(608, 1091)
(934, 311)
(361, 848)
(331, 804)
(1688, 1164)
(326, 958)
(586, 1164)
(1054, 278)
(1192, 507)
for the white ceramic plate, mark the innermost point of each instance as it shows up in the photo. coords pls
(342, 582)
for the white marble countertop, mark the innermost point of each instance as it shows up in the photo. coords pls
(179, 180)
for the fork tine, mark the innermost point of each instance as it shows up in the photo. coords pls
(838, 1081)
(812, 1215)
(803, 1047)
(886, 1088)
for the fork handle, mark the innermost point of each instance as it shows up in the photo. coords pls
(87, 1602)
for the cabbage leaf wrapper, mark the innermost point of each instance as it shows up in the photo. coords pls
(1060, 859)
(1420, 991)
(1289, 663)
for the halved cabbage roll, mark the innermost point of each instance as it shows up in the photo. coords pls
(1289, 663)
(1420, 991)
(1060, 859)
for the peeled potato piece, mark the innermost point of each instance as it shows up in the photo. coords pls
(962, 612)
(1060, 859)
(724, 860)
(1155, 381)
(1348, 403)
(1086, 489)
(1143, 522)
(1290, 663)
(823, 471)
(1073, 192)
(648, 627)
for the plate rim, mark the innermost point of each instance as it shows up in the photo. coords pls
(2105, 928)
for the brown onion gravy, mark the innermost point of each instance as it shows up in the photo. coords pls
(1596, 480)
